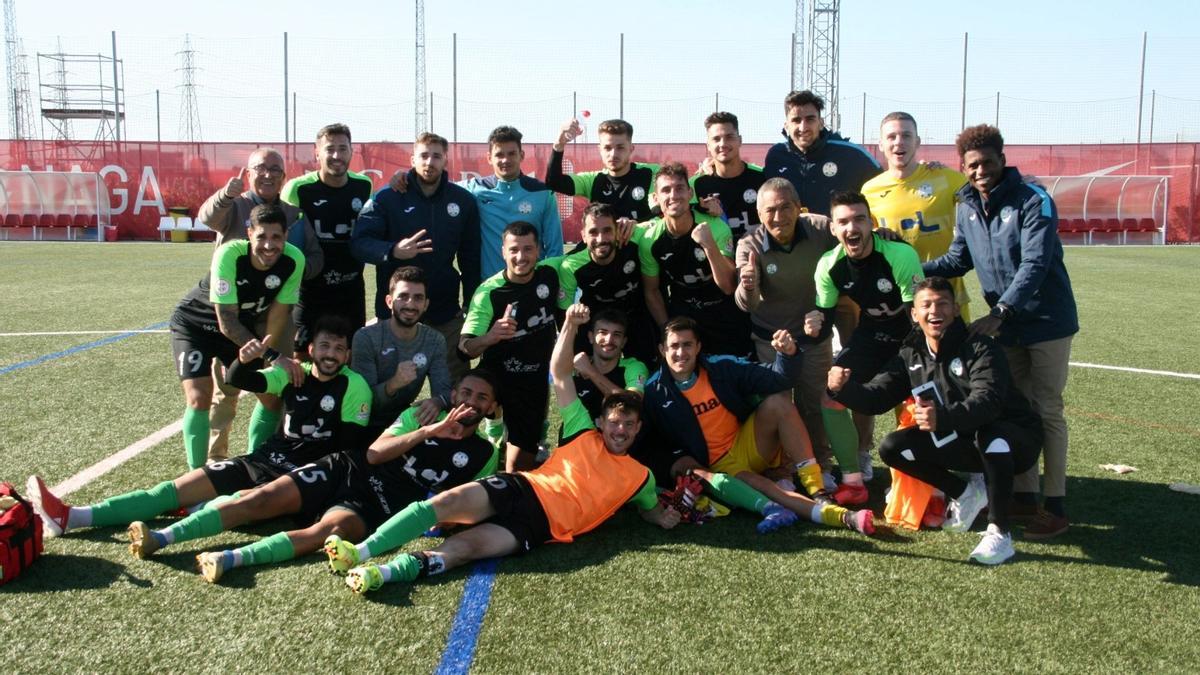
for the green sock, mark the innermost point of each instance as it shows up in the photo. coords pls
(404, 567)
(275, 548)
(735, 492)
(262, 426)
(195, 436)
(843, 437)
(136, 505)
(401, 528)
(204, 523)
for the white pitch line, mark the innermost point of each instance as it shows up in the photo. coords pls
(1140, 371)
(116, 459)
(82, 332)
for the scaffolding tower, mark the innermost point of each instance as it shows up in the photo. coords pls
(77, 96)
(189, 107)
(420, 120)
(822, 43)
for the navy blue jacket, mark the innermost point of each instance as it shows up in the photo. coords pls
(1012, 244)
(831, 164)
(450, 218)
(739, 385)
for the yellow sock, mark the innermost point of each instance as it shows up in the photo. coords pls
(810, 476)
(831, 516)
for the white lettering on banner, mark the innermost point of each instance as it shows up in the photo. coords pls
(149, 180)
(464, 176)
(120, 200)
(373, 172)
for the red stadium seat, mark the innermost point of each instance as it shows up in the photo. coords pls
(12, 220)
(82, 220)
(1076, 226)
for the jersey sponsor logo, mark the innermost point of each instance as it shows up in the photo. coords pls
(460, 459)
(525, 207)
(884, 194)
(428, 477)
(883, 311)
(750, 196)
(639, 193)
(772, 268)
(222, 286)
(884, 286)
(1006, 213)
(699, 253)
(272, 281)
(915, 366)
(410, 209)
(387, 351)
(452, 209)
(320, 202)
(595, 283)
(782, 169)
(377, 488)
(848, 285)
(830, 169)
(356, 204)
(667, 255)
(543, 291)
(301, 399)
(515, 365)
(629, 267)
(705, 406)
(242, 282)
(420, 360)
(972, 218)
(956, 367)
(432, 441)
(924, 189)
(667, 404)
(364, 412)
(327, 403)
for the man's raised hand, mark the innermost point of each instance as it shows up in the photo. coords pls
(411, 247)
(236, 185)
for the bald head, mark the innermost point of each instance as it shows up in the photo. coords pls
(265, 173)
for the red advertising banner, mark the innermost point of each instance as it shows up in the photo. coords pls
(145, 179)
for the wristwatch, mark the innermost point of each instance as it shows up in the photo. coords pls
(1001, 311)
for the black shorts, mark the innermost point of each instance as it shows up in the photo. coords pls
(345, 301)
(248, 471)
(518, 510)
(867, 351)
(195, 347)
(375, 497)
(320, 483)
(524, 398)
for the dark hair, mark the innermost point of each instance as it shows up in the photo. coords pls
(331, 130)
(504, 134)
(721, 117)
(680, 324)
(672, 170)
(796, 99)
(268, 213)
(625, 401)
(335, 325)
(598, 210)
(482, 374)
(978, 138)
(428, 138)
(615, 128)
(610, 315)
(409, 273)
(901, 116)
(936, 284)
(848, 198)
(520, 228)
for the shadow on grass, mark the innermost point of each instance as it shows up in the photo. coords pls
(54, 572)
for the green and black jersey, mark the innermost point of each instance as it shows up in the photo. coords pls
(440, 463)
(627, 194)
(617, 285)
(233, 280)
(536, 306)
(629, 373)
(881, 284)
(738, 196)
(332, 212)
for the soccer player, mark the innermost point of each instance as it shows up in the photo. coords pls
(776, 264)
(623, 183)
(731, 424)
(576, 490)
(397, 355)
(913, 199)
(227, 212)
(510, 327)
(878, 275)
(348, 494)
(733, 181)
(251, 283)
(997, 431)
(330, 198)
(1008, 233)
(693, 251)
(608, 275)
(603, 370)
(432, 226)
(326, 412)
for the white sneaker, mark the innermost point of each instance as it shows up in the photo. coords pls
(963, 511)
(864, 465)
(995, 548)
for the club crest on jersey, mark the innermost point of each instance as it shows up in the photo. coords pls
(525, 207)
(830, 169)
(750, 196)
(222, 286)
(364, 412)
(638, 193)
(925, 190)
(772, 268)
(271, 282)
(884, 286)
(356, 204)
(629, 267)
(1006, 213)
(543, 291)
(420, 360)
(327, 403)
(452, 209)
(699, 252)
(956, 367)
(460, 459)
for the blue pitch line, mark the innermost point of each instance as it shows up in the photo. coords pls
(464, 632)
(76, 349)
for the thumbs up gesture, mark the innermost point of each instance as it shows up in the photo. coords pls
(236, 185)
(749, 272)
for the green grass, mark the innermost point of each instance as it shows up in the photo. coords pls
(1119, 593)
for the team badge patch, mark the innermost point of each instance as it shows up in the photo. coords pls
(452, 209)
(884, 286)
(699, 252)
(629, 267)
(525, 207)
(356, 204)
(638, 193)
(327, 403)
(925, 190)
(543, 291)
(956, 367)
(222, 286)
(460, 459)
(364, 411)
(772, 268)
(750, 196)
(271, 282)
(830, 169)
(420, 360)
(1006, 213)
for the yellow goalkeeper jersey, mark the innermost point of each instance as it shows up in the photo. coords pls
(921, 209)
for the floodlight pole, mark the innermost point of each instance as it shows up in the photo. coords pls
(157, 116)
(1141, 89)
(116, 92)
(963, 119)
(621, 99)
(286, 116)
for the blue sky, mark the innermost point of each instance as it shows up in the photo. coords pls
(1065, 71)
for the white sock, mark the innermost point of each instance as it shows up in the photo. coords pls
(364, 553)
(168, 534)
(79, 516)
(815, 516)
(237, 557)
(852, 478)
(386, 571)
